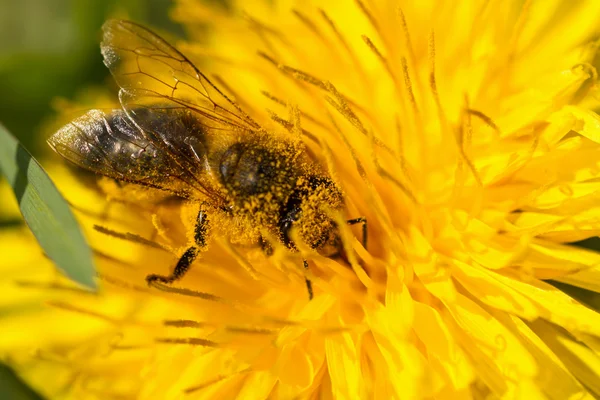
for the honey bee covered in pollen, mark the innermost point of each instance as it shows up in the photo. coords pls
(178, 133)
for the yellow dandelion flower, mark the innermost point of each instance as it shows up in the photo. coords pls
(463, 132)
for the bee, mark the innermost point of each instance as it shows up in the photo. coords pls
(178, 133)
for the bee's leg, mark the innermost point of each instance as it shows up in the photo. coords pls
(180, 269)
(186, 260)
(360, 220)
(308, 282)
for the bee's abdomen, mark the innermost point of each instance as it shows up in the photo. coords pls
(110, 144)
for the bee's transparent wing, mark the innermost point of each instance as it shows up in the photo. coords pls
(152, 73)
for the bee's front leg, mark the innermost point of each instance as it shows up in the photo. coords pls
(188, 257)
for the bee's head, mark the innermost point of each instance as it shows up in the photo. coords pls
(308, 211)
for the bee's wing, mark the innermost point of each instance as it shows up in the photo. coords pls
(152, 73)
(158, 81)
(108, 143)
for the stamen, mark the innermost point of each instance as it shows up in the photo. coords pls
(102, 216)
(378, 206)
(304, 114)
(402, 158)
(190, 293)
(343, 108)
(329, 159)
(112, 259)
(408, 84)
(303, 76)
(359, 167)
(444, 124)
(261, 30)
(70, 307)
(383, 173)
(433, 82)
(250, 331)
(232, 92)
(487, 120)
(368, 14)
(409, 47)
(325, 85)
(375, 50)
(186, 323)
(294, 113)
(267, 57)
(51, 286)
(344, 101)
(309, 24)
(383, 61)
(273, 98)
(297, 76)
(288, 125)
(188, 341)
(120, 347)
(130, 237)
(122, 284)
(355, 61)
(314, 325)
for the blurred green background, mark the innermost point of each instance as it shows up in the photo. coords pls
(50, 48)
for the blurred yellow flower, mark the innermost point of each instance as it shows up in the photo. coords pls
(463, 131)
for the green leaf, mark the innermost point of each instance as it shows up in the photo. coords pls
(12, 387)
(46, 212)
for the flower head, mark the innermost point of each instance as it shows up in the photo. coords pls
(463, 133)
